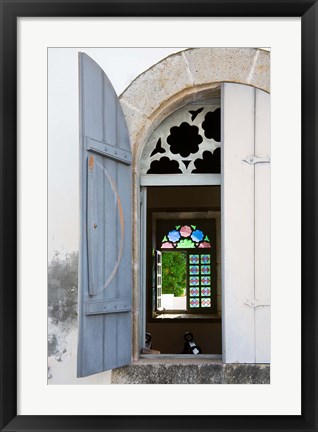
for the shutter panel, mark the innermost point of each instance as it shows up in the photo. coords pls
(105, 273)
(159, 279)
(245, 224)
(262, 229)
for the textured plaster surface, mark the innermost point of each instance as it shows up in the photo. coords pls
(174, 371)
(246, 374)
(219, 64)
(260, 74)
(161, 82)
(136, 121)
(62, 364)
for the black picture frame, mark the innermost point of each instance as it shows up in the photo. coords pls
(10, 10)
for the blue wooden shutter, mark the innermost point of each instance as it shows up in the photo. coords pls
(105, 265)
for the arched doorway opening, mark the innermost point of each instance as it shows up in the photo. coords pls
(191, 76)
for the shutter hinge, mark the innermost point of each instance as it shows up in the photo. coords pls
(257, 302)
(256, 159)
(109, 150)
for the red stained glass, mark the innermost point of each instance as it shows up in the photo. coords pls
(185, 231)
(167, 245)
(205, 245)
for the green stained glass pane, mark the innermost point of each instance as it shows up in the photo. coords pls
(194, 259)
(193, 226)
(194, 270)
(206, 302)
(186, 243)
(178, 227)
(205, 280)
(205, 259)
(194, 303)
(194, 292)
(194, 280)
(205, 291)
(205, 269)
(206, 238)
(165, 239)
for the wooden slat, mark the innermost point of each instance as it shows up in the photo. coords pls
(109, 150)
(108, 306)
(262, 228)
(237, 223)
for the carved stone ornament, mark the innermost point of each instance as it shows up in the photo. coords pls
(186, 142)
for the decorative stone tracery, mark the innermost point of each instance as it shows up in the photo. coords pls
(187, 142)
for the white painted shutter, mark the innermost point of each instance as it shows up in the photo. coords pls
(159, 279)
(105, 267)
(246, 224)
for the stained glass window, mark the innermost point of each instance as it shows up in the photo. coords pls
(200, 281)
(194, 292)
(186, 237)
(205, 291)
(205, 302)
(194, 259)
(194, 302)
(201, 275)
(194, 270)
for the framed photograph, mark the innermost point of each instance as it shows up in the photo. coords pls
(171, 113)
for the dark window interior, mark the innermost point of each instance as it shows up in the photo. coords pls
(177, 300)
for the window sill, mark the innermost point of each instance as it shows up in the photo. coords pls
(165, 369)
(177, 357)
(182, 315)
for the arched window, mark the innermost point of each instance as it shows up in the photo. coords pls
(185, 236)
(186, 267)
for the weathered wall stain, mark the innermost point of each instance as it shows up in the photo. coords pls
(63, 324)
(62, 303)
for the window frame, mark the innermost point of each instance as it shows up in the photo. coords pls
(208, 226)
(142, 305)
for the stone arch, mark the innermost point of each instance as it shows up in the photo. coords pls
(188, 75)
(180, 78)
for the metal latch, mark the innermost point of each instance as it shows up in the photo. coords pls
(257, 302)
(256, 159)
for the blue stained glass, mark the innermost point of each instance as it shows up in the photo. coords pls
(205, 269)
(194, 302)
(205, 280)
(194, 270)
(194, 292)
(174, 235)
(194, 259)
(194, 280)
(197, 235)
(206, 291)
(205, 259)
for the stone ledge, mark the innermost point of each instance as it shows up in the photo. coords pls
(174, 371)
